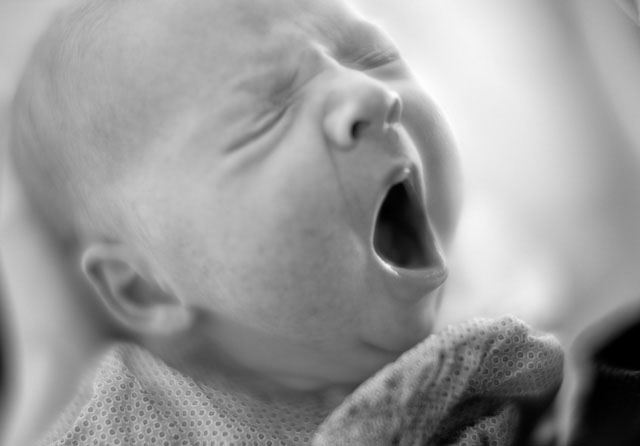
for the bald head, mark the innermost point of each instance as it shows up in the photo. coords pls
(113, 83)
(253, 142)
(96, 96)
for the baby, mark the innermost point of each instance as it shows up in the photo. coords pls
(261, 195)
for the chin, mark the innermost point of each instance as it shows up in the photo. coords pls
(415, 323)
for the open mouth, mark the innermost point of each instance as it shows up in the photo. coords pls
(400, 231)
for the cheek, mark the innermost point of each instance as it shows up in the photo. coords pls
(438, 151)
(306, 258)
(273, 252)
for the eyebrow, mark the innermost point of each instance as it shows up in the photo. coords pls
(364, 44)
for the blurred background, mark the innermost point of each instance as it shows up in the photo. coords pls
(544, 99)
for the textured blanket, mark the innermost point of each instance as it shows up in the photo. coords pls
(470, 384)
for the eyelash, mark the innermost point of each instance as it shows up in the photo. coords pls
(377, 58)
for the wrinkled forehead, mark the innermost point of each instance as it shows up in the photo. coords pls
(220, 63)
(238, 25)
(224, 39)
(241, 54)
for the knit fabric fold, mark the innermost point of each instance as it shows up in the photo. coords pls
(467, 385)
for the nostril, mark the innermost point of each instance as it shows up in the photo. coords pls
(358, 128)
(395, 112)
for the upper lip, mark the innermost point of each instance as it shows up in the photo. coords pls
(424, 271)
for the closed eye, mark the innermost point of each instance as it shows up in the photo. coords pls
(376, 58)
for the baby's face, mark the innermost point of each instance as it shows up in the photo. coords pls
(310, 191)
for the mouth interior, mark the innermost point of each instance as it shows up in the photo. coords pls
(401, 229)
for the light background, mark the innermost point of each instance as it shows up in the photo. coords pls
(545, 101)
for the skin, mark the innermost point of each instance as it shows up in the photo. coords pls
(258, 209)
(244, 241)
(248, 146)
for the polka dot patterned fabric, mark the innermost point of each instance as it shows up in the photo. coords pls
(139, 400)
(465, 386)
(460, 387)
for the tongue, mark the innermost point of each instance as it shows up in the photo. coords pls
(399, 248)
(400, 230)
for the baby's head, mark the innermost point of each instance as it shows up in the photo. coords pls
(263, 179)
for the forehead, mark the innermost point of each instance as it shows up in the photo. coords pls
(237, 56)
(225, 40)
(241, 23)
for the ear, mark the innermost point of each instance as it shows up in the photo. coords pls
(136, 300)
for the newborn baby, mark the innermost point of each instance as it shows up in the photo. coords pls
(261, 194)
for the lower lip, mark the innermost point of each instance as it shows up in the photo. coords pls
(411, 285)
(436, 276)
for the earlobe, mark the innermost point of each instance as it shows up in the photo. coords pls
(138, 303)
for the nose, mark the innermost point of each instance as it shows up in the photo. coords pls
(358, 105)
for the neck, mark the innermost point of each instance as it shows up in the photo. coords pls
(200, 356)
